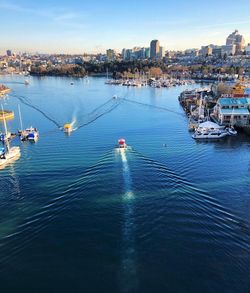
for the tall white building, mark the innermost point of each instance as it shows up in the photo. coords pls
(236, 39)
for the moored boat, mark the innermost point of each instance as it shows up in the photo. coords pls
(30, 133)
(210, 130)
(8, 154)
(5, 136)
(210, 134)
(232, 131)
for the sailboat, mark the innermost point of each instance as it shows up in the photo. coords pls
(30, 133)
(8, 154)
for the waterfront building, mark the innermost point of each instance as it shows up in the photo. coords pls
(234, 111)
(154, 49)
(236, 39)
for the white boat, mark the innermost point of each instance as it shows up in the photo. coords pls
(210, 130)
(210, 134)
(8, 154)
(231, 131)
(122, 143)
(30, 133)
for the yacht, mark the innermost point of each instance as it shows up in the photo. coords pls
(210, 130)
(210, 134)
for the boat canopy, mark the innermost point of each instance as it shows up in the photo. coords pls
(121, 141)
(67, 126)
(209, 124)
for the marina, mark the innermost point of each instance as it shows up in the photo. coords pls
(76, 204)
(161, 82)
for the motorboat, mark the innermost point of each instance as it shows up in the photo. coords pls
(210, 130)
(67, 128)
(210, 134)
(122, 143)
(33, 134)
(30, 134)
(231, 131)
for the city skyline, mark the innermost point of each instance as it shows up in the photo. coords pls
(62, 27)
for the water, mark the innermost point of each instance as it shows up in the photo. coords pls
(76, 215)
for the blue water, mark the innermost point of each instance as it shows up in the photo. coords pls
(76, 215)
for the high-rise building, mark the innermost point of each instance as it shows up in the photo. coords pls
(154, 49)
(8, 53)
(236, 39)
(206, 50)
(248, 49)
(147, 53)
(162, 52)
(110, 54)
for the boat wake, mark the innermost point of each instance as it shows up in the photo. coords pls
(77, 122)
(26, 101)
(100, 111)
(128, 273)
(153, 106)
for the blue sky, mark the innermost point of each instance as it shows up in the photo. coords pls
(93, 26)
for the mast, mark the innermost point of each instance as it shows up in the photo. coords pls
(200, 105)
(20, 117)
(5, 129)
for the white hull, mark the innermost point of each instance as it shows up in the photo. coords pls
(209, 135)
(12, 155)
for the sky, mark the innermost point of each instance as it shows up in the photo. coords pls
(78, 26)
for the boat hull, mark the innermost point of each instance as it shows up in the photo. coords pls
(209, 136)
(13, 155)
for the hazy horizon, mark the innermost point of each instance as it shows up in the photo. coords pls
(92, 27)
